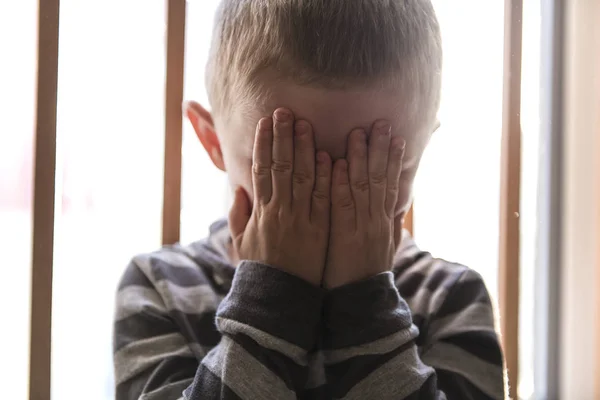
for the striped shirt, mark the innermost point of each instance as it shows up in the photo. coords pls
(189, 325)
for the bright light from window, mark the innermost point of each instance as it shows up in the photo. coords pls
(110, 164)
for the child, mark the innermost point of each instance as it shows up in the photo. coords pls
(311, 290)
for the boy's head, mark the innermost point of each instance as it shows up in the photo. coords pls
(339, 64)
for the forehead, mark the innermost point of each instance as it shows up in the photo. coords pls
(332, 113)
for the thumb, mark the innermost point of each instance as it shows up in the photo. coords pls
(239, 215)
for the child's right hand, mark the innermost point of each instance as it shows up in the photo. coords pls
(287, 227)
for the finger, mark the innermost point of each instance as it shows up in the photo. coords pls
(283, 156)
(321, 195)
(343, 216)
(379, 144)
(359, 170)
(261, 161)
(239, 215)
(394, 170)
(398, 227)
(303, 179)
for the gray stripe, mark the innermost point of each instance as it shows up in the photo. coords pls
(243, 374)
(487, 377)
(406, 371)
(190, 300)
(295, 353)
(138, 356)
(381, 346)
(172, 258)
(176, 259)
(316, 371)
(169, 391)
(424, 301)
(135, 299)
(476, 317)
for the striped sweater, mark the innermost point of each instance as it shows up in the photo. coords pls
(189, 325)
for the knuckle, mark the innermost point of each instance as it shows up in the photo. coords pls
(261, 170)
(393, 188)
(361, 185)
(270, 215)
(320, 195)
(301, 177)
(281, 166)
(378, 179)
(396, 152)
(345, 203)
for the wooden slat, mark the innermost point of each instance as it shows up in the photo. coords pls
(596, 134)
(597, 214)
(510, 191)
(173, 120)
(597, 267)
(43, 201)
(409, 223)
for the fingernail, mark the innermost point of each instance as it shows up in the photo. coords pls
(301, 128)
(265, 124)
(363, 136)
(384, 128)
(321, 157)
(401, 143)
(282, 115)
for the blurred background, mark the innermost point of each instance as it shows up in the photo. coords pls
(110, 151)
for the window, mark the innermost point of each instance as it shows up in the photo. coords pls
(200, 176)
(110, 151)
(457, 190)
(17, 110)
(110, 142)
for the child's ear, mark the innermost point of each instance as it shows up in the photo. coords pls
(204, 127)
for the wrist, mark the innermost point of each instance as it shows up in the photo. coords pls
(275, 302)
(364, 311)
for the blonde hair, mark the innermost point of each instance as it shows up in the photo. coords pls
(333, 44)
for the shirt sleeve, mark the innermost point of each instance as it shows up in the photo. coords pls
(371, 348)
(268, 323)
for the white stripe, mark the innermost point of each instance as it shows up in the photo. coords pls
(381, 346)
(264, 339)
(142, 354)
(135, 299)
(396, 379)
(243, 374)
(487, 377)
(475, 317)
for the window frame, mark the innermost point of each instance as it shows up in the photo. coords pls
(45, 163)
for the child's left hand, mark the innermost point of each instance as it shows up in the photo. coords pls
(364, 231)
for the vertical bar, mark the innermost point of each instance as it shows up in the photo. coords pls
(409, 221)
(547, 304)
(597, 266)
(510, 191)
(43, 201)
(173, 121)
(597, 210)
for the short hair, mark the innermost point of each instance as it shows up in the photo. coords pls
(333, 44)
